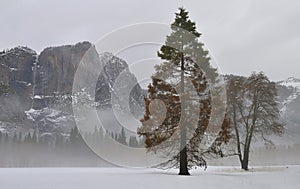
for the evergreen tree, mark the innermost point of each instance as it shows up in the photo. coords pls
(95, 136)
(59, 141)
(28, 138)
(122, 137)
(42, 141)
(100, 134)
(34, 137)
(75, 138)
(15, 138)
(106, 135)
(181, 83)
(20, 138)
(115, 136)
(133, 142)
(141, 142)
(6, 139)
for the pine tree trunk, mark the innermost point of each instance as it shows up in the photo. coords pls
(183, 169)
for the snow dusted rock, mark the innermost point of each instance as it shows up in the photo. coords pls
(16, 71)
(49, 120)
(42, 85)
(289, 95)
(57, 67)
(115, 81)
(290, 82)
(289, 99)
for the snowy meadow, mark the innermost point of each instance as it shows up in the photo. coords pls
(273, 177)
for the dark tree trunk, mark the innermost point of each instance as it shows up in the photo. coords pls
(245, 164)
(183, 169)
(245, 160)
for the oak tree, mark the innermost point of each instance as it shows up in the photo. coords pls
(254, 111)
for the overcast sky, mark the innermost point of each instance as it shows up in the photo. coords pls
(242, 35)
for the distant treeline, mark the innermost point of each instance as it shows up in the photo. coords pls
(35, 149)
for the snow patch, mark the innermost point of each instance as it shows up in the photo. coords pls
(37, 97)
(290, 82)
(13, 69)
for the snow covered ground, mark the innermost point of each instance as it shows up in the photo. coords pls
(116, 178)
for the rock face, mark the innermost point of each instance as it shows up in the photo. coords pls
(17, 72)
(114, 81)
(57, 67)
(42, 86)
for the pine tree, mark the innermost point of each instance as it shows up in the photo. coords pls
(74, 136)
(15, 138)
(34, 137)
(71, 137)
(20, 138)
(181, 83)
(106, 135)
(133, 142)
(115, 136)
(59, 142)
(141, 142)
(28, 138)
(6, 139)
(75, 139)
(100, 135)
(122, 137)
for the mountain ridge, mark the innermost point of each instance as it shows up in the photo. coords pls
(42, 87)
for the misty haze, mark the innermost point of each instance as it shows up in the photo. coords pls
(111, 93)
